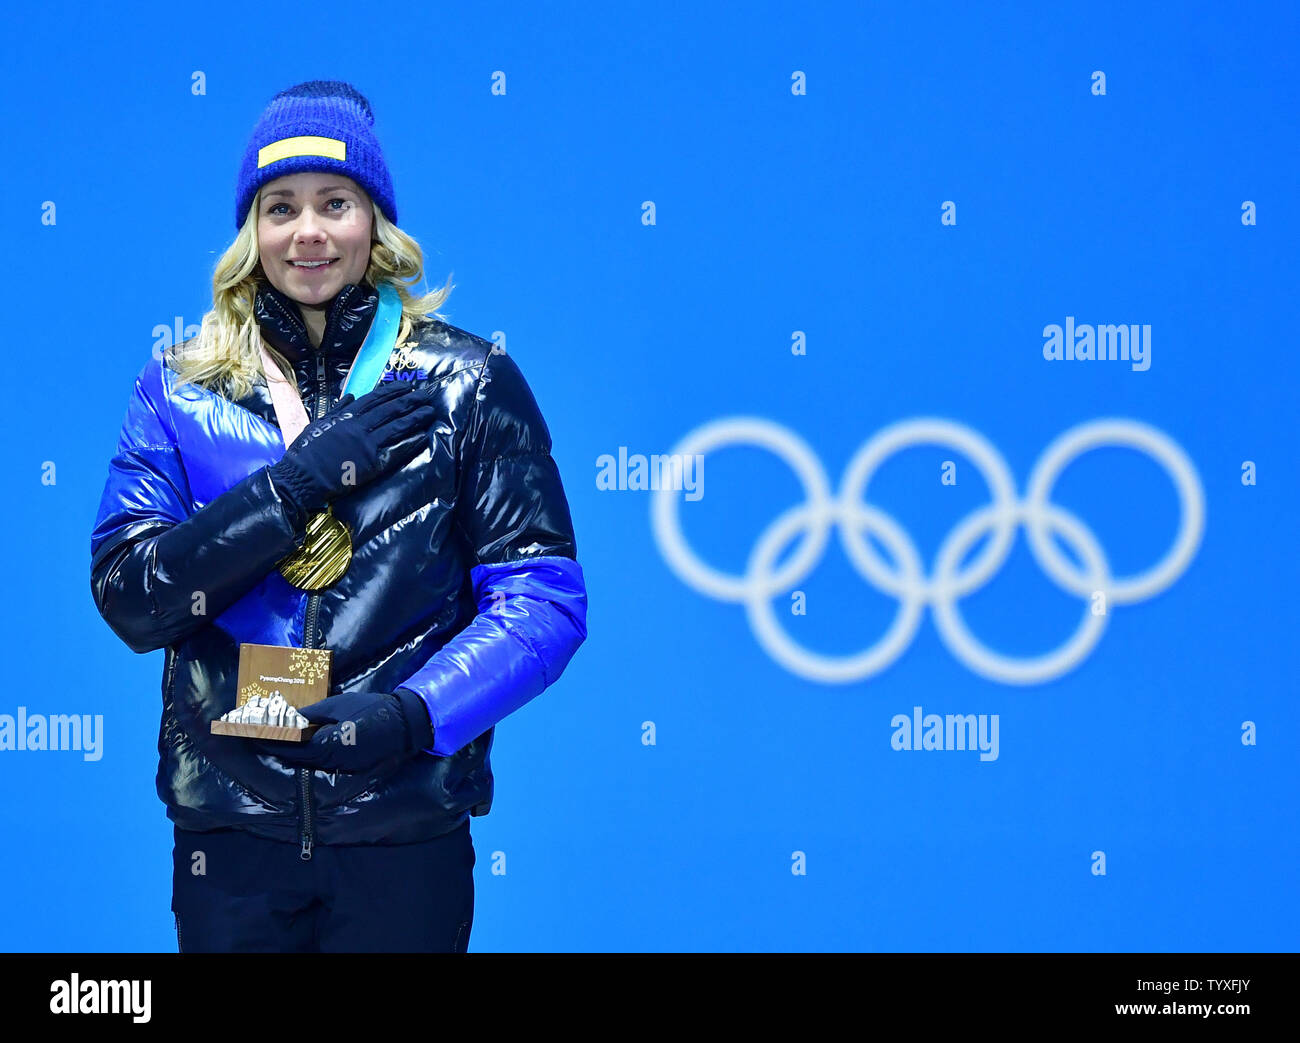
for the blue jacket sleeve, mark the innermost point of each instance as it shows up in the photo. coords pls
(152, 554)
(528, 585)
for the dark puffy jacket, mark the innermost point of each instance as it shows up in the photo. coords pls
(463, 586)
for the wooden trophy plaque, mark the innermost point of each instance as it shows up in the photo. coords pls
(274, 681)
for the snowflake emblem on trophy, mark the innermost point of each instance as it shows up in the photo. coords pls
(253, 690)
(310, 662)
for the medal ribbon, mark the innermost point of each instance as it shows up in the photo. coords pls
(363, 372)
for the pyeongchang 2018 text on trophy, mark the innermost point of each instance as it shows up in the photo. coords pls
(274, 681)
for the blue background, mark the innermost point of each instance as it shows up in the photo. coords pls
(774, 213)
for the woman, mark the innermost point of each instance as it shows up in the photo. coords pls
(329, 464)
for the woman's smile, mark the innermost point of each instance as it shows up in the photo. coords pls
(313, 266)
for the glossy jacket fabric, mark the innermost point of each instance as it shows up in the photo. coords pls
(464, 584)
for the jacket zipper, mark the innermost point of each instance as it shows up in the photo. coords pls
(313, 601)
(309, 630)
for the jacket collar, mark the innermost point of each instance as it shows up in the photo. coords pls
(347, 321)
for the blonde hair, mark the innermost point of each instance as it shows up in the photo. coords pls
(226, 356)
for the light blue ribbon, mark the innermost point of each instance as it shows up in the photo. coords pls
(379, 344)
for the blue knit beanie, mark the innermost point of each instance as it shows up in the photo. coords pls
(321, 125)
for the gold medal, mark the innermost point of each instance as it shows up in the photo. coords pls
(324, 556)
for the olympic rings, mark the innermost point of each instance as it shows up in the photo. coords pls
(907, 581)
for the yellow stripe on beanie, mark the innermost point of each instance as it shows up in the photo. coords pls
(305, 145)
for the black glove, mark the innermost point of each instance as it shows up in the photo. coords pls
(363, 729)
(366, 433)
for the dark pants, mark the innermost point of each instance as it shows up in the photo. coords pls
(248, 894)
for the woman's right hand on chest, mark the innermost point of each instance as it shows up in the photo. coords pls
(358, 441)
